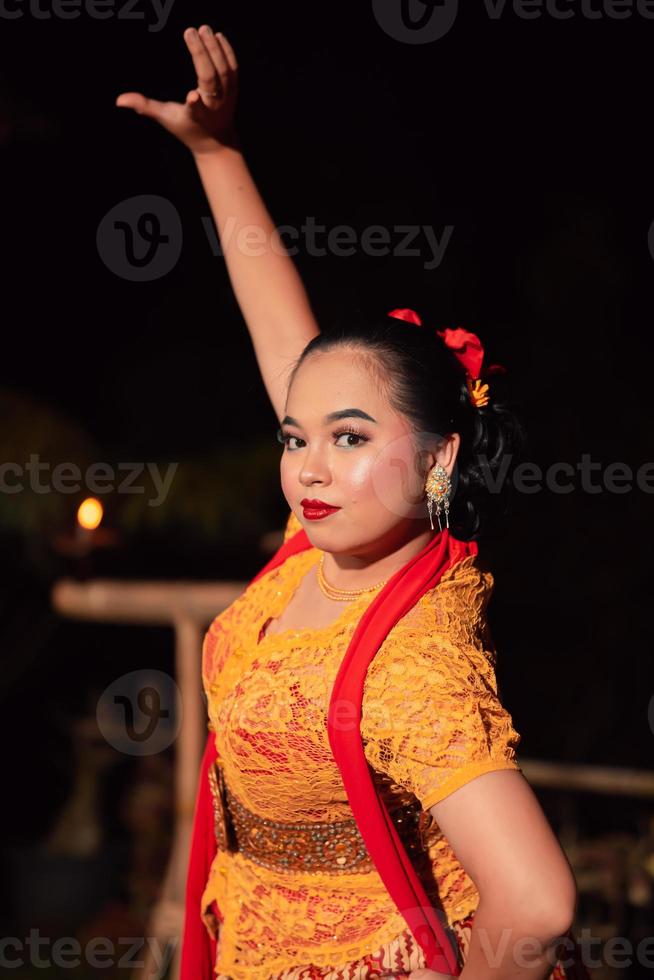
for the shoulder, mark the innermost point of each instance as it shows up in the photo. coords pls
(432, 683)
(464, 589)
(445, 632)
(455, 608)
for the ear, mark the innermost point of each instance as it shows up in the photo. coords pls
(447, 451)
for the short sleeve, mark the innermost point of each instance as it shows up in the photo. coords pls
(431, 716)
(292, 527)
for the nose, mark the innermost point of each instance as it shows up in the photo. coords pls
(314, 468)
(310, 476)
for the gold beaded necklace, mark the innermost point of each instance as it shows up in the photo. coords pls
(344, 595)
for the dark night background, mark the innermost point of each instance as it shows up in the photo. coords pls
(532, 138)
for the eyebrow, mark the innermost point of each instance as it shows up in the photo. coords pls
(344, 413)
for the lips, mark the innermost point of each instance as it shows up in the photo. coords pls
(316, 509)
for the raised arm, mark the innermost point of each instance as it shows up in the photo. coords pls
(266, 283)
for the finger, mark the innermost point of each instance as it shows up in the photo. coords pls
(199, 112)
(204, 66)
(168, 114)
(217, 56)
(196, 107)
(229, 51)
(139, 103)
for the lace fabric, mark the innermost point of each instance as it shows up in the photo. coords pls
(431, 721)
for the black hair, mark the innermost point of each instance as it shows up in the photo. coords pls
(425, 382)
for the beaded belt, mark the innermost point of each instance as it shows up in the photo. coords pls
(334, 847)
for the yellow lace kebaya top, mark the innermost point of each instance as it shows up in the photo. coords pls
(431, 722)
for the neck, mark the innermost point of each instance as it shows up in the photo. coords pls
(374, 563)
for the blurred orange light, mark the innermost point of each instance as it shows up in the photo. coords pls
(89, 513)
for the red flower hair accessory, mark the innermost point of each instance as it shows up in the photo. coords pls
(468, 350)
(410, 315)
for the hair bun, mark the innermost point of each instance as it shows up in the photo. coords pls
(409, 315)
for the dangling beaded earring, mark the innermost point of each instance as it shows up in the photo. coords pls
(438, 487)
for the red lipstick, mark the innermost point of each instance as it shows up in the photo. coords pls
(315, 510)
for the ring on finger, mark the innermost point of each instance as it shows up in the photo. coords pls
(214, 95)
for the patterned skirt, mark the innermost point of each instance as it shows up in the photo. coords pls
(396, 960)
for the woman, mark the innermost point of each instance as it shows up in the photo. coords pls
(360, 810)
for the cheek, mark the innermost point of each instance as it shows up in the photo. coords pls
(397, 477)
(392, 471)
(287, 479)
(357, 478)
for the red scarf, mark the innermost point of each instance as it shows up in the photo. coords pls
(384, 846)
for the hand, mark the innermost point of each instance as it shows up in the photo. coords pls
(212, 922)
(205, 121)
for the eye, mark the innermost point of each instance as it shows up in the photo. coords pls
(285, 437)
(352, 433)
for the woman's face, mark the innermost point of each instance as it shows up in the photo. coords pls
(367, 464)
